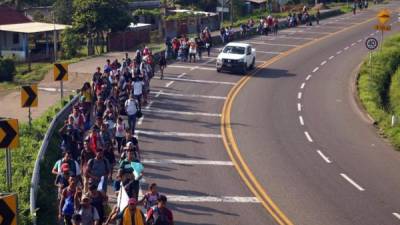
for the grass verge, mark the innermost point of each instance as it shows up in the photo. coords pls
(379, 88)
(23, 161)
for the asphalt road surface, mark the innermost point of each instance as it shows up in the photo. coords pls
(185, 148)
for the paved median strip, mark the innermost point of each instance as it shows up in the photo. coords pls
(187, 162)
(176, 134)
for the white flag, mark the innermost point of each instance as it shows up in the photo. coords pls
(123, 198)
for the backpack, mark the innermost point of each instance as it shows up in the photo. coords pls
(160, 218)
(68, 207)
(90, 164)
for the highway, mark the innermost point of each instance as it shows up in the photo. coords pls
(285, 145)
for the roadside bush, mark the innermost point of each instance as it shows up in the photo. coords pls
(379, 88)
(70, 43)
(7, 69)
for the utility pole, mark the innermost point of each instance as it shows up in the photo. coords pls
(231, 12)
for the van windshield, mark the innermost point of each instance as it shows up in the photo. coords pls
(234, 50)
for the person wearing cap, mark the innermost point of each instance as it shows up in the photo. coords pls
(160, 214)
(131, 108)
(74, 168)
(62, 179)
(131, 215)
(89, 214)
(130, 182)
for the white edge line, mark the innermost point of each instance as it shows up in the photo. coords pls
(331, 57)
(397, 215)
(299, 107)
(308, 76)
(323, 63)
(181, 75)
(169, 83)
(301, 120)
(177, 134)
(299, 95)
(182, 112)
(352, 182)
(188, 162)
(308, 136)
(324, 157)
(315, 69)
(346, 48)
(302, 85)
(221, 199)
(339, 52)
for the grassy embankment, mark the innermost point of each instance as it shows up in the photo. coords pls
(379, 88)
(23, 161)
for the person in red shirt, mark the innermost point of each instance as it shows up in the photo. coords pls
(160, 214)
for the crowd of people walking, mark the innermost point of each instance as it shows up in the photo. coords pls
(99, 136)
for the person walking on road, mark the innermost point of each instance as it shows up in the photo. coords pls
(276, 26)
(163, 64)
(160, 214)
(131, 215)
(317, 16)
(131, 107)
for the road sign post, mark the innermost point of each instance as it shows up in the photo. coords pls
(9, 138)
(8, 209)
(29, 98)
(383, 18)
(371, 44)
(61, 74)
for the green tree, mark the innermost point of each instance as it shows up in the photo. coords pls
(70, 43)
(63, 11)
(94, 18)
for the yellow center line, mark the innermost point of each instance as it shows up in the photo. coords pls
(230, 142)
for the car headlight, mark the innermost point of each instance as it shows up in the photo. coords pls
(241, 60)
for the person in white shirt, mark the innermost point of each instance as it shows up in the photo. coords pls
(137, 86)
(131, 107)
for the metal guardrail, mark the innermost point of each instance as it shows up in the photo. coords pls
(43, 149)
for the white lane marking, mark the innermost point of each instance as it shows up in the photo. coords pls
(323, 63)
(338, 53)
(177, 134)
(200, 81)
(331, 57)
(271, 44)
(301, 120)
(360, 40)
(191, 67)
(397, 215)
(324, 157)
(315, 69)
(352, 44)
(149, 105)
(352, 182)
(371, 34)
(346, 48)
(222, 199)
(140, 121)
(169, 83)
(299, 95)
(302, 85)
(187, 95)
(158, 93)
(187, 162)
(182, 112)
(308, 77)
(308, 136)
(299, 107)
(272, 53)
(181, 75)
(303, 31)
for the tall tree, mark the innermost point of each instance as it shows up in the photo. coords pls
(63, 11)
(94, 18)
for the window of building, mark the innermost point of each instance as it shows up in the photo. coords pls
(15, 38)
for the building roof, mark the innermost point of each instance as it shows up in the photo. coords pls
(32, 27)
(11, 16)
(256, 1)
